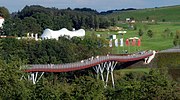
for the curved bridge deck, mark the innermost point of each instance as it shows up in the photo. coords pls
(85, 63)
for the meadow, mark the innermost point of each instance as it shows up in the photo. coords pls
(166, 14)
(159, 41)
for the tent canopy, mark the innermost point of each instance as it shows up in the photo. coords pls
(131, 38)
(50, 34)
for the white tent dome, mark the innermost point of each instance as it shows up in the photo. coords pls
(1, 21)
(50, 34)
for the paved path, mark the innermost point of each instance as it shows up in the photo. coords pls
(175, 49)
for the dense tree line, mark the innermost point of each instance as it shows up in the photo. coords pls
(34, 19)
(52, 51)
(152, 85)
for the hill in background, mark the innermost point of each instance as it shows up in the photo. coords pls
(165, 14)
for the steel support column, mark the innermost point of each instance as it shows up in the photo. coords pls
(33, 76)
(109, 66)
(96, 69)
(107, 75)
(112, 69)
(101, 67)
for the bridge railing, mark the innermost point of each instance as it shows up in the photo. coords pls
(87, 62)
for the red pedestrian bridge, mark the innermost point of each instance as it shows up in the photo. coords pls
(98, 63)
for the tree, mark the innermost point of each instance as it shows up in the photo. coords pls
(140, 33)
(143, 86)
(88, 88)
(113, 21)
(104, 22)
(4, 12)
(61, 22)
(150, 33)
(176, 40)
(147, 18)
(91, 21)
(75, 22)
(11, 85)
(17, 27)
(45, 90)
(14, 27)
(44, 20)
(167, 33)
(31, 26)
(157, 85)
(96, 21)
(163, 20)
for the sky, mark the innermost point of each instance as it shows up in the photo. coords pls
(99, 5)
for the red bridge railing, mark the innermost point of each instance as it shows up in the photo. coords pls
(86, 63)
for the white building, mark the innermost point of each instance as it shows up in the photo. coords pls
(50, 34)
(1, 21)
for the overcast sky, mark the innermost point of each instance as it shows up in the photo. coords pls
(99, 5)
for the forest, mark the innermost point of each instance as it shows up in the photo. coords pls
(35, 18)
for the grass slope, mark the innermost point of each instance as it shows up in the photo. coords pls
(169, 14)
(157, 42)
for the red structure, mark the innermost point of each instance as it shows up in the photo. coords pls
(139, 42)
(133, 42)
(127, 42)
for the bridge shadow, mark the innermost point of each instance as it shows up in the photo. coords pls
(126, 64)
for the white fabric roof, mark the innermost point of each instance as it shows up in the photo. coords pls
(1, 21)
(50, 34)
(133, 38)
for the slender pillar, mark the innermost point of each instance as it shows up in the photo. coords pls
(102, 70)
(112, 69)
(35, 76)
(23, 77)
(32, 78)
(40, 77)
(107, 75)
(96, 69)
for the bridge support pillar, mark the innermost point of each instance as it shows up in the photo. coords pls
(109, 68)
(102, 66)
(33, 77)
(107, 75)
(96, 69)
(112, 69)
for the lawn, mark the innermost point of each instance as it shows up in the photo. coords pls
(168, 14)
(146, 70)
(157, 42)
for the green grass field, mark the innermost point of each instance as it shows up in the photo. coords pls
(168, 14)
(157, 42)
(145, 70)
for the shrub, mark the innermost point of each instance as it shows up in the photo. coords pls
(153, 85)
(150, 33)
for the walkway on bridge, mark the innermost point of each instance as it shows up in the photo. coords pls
(99, 63)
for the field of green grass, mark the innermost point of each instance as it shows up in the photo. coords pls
(157, 42)
(169, 14)
(145, 70)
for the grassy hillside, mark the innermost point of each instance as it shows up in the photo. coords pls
(157, 42)
(168, 14)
